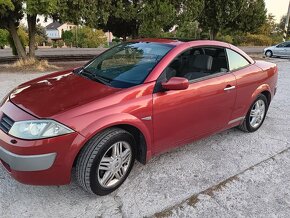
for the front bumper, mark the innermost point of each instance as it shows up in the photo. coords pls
(27, 162)
(38, 162)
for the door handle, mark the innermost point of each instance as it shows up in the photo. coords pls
(229, 88)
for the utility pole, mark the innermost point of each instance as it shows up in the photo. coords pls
(286, 24)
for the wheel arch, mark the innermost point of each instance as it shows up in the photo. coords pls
(127, 122)
(264, 89)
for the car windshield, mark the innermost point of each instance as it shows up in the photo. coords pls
(127, 64)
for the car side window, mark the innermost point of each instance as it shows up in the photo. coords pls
(283, 44)
(288, 45)
(197, 63)
(236, 60)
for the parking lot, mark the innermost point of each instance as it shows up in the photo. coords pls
(231, 174)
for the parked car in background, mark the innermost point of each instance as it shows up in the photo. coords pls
(280, 50)
(135, 100)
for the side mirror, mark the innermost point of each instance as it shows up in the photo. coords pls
(175, 83)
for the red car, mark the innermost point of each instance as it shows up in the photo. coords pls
(133, 101)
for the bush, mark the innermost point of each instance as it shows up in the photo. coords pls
(252, 40)
(60, 43)
(90, 38)
(226, 38)
(54, 44)
(3, 38)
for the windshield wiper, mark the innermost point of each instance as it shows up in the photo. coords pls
(94, 77)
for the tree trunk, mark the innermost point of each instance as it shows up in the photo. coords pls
(13, 32)
(31, 21)
(213, 34)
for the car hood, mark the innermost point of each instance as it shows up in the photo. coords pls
(55, 93)
(270, 47)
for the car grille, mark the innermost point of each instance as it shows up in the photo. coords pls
(6, 123)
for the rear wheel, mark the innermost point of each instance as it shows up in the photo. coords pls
(256, 115)
(269, 53)
(106, 161)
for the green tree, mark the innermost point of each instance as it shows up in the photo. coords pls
(41, 36)
(147, 18)
(218, 15)
(34, 8)
(68, 37)
(3, 38)
(269, 27)
(10, 15)
(161, 13)
(281, 25)
(251, 17)
(188, 29)
(89, 38)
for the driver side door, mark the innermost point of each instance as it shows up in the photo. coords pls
(205, 107)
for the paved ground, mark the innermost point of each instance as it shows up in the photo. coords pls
(231, 174)
(81, 51)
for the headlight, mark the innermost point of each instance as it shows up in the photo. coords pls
(4, 99)
(38, 129)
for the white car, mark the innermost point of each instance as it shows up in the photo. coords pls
(280, 50)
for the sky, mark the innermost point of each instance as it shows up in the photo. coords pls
(277, 8)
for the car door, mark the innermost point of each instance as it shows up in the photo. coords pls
(279, 50)
(286, 51)
(203, 108)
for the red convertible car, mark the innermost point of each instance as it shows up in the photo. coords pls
(133, 101)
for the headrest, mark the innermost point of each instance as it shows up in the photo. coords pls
(203, 62)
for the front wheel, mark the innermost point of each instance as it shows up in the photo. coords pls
(106, 161)
(256, 115)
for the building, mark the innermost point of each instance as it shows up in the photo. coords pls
(55, 29)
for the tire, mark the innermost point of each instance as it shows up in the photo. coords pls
(248, 124)
(268, 53)
(96, 155)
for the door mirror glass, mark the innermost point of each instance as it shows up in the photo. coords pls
(175, 83)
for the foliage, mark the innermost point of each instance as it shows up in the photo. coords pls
(225, 38)
(228, 15)
(41, 36)
(269, 27)
(147, 18)
(3, 37)
(60, 43)
(281, 25)
(189, 29)
(5, 7)
(68, 37)
(154, 27)
(89, 38)
(251, 17)
(253, 40)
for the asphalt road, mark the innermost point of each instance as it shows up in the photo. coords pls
(231, 174)
(93, 51)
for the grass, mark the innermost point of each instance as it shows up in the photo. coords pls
(31, 64)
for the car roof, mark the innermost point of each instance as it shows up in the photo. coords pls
(170, 41)
(182, 41)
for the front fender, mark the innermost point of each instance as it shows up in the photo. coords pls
(119, 119)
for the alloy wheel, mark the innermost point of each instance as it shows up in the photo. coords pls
(114, 164)
(257, 113)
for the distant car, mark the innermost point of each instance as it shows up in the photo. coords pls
(280, 50)
(135, 100)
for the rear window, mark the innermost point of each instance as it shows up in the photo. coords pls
(236, 60)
